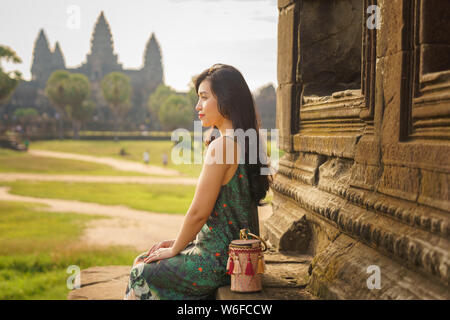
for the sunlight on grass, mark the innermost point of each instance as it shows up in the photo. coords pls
(154, 198)
(37, 247)
(16, 161)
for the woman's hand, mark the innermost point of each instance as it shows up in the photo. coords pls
(161, 253)
(162, 244)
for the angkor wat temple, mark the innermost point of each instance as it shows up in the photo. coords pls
(100, 61)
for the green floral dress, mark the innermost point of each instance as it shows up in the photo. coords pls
(198, 270)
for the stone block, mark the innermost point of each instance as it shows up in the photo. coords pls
(434, 189)
(287, 44)
(401, 182)
(393, 35)
(287, 114)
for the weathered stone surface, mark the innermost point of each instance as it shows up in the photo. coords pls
(102, 283)
(287, 26)
(332, 28)
(341, 272)
(286, 109)
(392, 37)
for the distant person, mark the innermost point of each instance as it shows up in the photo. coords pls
(27, 143)
(165, 159)
(146, 157)
(123, 152)
(226, 200)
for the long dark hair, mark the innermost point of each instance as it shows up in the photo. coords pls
(236, 103)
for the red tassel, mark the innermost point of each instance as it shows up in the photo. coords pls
(230, 265)
(249, 270)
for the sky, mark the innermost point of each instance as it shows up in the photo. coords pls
(193, 34)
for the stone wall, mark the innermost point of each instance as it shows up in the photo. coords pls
(364, 119)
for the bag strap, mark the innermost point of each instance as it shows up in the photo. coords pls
(244, 233)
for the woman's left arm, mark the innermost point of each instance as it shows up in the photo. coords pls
(207, 190)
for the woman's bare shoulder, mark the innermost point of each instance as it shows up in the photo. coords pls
(226, 150)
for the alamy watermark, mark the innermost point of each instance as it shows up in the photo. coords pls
(374, 19)
(257, 148)
(74, 19)
(374, 281)
(74, 280)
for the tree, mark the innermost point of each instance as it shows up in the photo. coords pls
(8, 80)
(266, 100)
(82, 114)
(116, 89)
(56, 91)
(26, 116)
(77, 91)
(155, 101)
(175, 112)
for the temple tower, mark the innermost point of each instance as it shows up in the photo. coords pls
(58, 58)
(153, 69)
(101, 60)
(42, 59)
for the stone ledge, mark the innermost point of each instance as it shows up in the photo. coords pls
(102, 283)
(285, 278)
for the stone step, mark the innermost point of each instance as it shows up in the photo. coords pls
(102, 283)
(285, 278)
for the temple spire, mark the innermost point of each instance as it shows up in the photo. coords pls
(58, 58)
(153, 59)
(42, 58)
(102, 40)
(101, 60)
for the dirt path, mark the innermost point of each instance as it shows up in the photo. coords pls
(128, 227)
(124, 165)
(102, 179)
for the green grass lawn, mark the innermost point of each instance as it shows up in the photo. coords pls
(135, 150)
(156, 198)
(37, 247)
(17, 161)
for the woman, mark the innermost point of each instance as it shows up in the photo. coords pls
(226, 199)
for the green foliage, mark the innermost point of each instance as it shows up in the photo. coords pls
(8, 80)
(26, 114)
(156, 100)
(56, 89)
(176, 112)
(192, 97)
(77, 91)
(116, 89)
(69, 92)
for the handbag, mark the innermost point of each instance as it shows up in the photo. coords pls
(246, 263)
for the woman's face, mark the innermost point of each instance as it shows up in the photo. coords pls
(207, 108)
